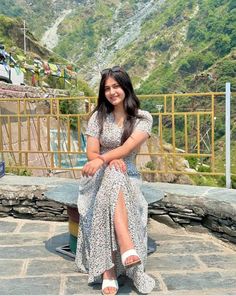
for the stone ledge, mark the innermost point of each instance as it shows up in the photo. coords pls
(183, 205)
(194, 206)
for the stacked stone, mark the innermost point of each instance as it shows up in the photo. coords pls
(29, 202)
(24, 91)
(193, 218)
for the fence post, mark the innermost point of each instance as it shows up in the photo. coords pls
(227, 136)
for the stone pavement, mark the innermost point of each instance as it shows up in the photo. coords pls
(184, 263)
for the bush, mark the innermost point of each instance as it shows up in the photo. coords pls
(151, 165)
(223, 44)
(222, 181)
(193, 161)
(162, 45)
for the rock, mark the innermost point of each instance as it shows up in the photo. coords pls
(10, 202)
(211, 222)
(196, 228)
(165, 219)
(228, 230)
(5, 209)
(156, 211)
(25, 210)
(181, 220)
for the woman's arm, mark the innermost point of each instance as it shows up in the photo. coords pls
(93, 147)
(132, 143)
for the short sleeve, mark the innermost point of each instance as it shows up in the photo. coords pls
(93, 129)
(144, 124)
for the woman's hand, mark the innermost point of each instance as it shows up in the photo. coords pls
(119, 165)
(92, 166)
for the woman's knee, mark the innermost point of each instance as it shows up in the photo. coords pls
(111, 172)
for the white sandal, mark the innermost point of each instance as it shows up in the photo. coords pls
(108, 283)
(125, 255)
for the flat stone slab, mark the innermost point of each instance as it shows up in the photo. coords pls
(6, 226)
(188, 247)
(44, 267)
(34, 227)
(163, 237)
(200, 281)
(12, 268)
(192, 264)
(216, 193)
(30, 286)
(219, 261)
(24, 252)
(67, 193)
(33, 181)
(172, 262)
(18, 239)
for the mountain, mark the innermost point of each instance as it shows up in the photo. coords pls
(166, 45)
(11, 36)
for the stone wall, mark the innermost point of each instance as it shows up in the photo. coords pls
(197, 209)
(29, 202)
(193, 207)
(193, 219)
(25, 91)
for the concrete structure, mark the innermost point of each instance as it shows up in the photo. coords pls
(183, 263)
(187, 259)
(183, 205)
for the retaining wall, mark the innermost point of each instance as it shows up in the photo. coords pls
(186, 206)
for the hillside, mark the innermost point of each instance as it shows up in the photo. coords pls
(11, 36)
(166, 45)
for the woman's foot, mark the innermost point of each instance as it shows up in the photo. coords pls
(110, 284)
(130, 258)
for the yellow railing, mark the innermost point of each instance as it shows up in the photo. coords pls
(46, 134)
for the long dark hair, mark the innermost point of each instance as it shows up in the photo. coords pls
(131, 101)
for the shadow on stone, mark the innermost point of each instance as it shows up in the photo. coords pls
(152, 246)
(58, 241)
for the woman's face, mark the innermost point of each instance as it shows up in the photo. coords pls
(113, 92)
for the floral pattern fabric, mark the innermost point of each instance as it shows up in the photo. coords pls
(96, 205)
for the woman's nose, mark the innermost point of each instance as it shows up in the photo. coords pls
(112, 90)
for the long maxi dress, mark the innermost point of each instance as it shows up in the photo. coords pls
(96, 205)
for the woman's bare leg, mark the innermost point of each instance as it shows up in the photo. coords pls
(110, 275)
(121, 228)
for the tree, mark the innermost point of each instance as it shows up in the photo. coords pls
(223, 44)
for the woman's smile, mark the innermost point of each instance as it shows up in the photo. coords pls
(113, 92)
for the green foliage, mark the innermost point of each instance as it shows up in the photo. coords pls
(222, 45)
(18, 172)
(195, 32)
(10, 8)
(203, 168)
(151, 165)
(83, 86)
(193, 161)
(162, 44)
(70, 107)
(222, 181)
(192, 64)
(201, 180)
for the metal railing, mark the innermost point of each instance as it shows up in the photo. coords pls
(48, 133)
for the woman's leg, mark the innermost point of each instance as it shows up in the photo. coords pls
(121, 228)
(110, 275)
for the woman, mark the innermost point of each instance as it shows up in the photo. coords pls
(113, 212)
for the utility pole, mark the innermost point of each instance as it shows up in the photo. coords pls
(227, 136)
(159, 107)
(24, 35)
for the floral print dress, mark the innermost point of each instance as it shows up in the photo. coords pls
(96, 205)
